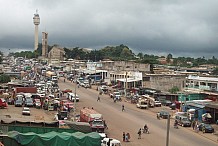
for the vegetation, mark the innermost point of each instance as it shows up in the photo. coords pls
(1, 55)
(174, 90)
(4, 78)
(121, 53)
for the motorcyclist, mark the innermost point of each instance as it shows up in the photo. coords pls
(176, 124)
(145, 129)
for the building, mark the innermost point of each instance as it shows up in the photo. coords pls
(36, 21)
(56, 55)
(44, 44)
(163, 82)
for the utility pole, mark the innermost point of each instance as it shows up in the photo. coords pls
(74, 101)
(168, 130)
(126, 85)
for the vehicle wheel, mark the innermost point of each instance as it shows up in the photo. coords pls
(182, 125)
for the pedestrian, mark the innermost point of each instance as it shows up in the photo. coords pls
(124, 136)
(123, 109)
(139, 133)
(127, 137)
(193, 125)
(105, 125)
(98, 99)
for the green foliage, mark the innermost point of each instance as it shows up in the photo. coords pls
(215, 71)
(4, 78)
(25, 54)
(174, 90)
(169, 57)
(1, 55)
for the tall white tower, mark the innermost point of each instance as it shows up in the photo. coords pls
(36, 21)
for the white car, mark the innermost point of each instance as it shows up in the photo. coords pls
(71, 96)
(26, 111)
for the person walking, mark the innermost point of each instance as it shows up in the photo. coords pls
(127, 137)
(124, 136)
(193, 125)
(123, 108)
(139, 133)
(98, 99)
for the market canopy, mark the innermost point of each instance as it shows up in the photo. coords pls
(56, 139)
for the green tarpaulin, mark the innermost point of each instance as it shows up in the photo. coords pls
(56, 139)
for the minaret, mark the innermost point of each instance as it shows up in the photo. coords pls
(36, 21)
(44, 44)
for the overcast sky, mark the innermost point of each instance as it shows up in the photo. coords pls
(159, 27)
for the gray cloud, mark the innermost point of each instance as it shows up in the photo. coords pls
(149, 26)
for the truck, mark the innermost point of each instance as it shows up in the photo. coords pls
(142, 103)
(94, 118)
(52, 76)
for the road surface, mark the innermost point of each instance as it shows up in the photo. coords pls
(132, 119)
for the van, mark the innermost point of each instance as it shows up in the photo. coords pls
(110, 142)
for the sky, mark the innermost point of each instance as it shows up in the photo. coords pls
(181, 27)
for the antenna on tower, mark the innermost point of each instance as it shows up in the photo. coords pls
(36, 11)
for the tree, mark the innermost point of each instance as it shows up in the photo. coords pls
(174, 90)
(4, 78)
(140, 55)
(169, 57)
(215, 71)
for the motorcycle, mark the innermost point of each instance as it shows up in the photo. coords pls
(175, 126)
(146, 130)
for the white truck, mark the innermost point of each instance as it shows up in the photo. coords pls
(142, 103)
(110, 142)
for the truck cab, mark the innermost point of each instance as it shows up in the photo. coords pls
(97, 125)
(110, 142)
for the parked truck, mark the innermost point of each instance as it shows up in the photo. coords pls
(142, 103)
(94, 118)
(51, 75)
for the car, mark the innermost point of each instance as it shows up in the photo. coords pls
(206, 128)
(164, 114)
(173, 106)
(71, 96)
(26, 111)
(11, 101)
(183, 121)
(157, 103)
(166, 102)
(18, 103)
(29, 103)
